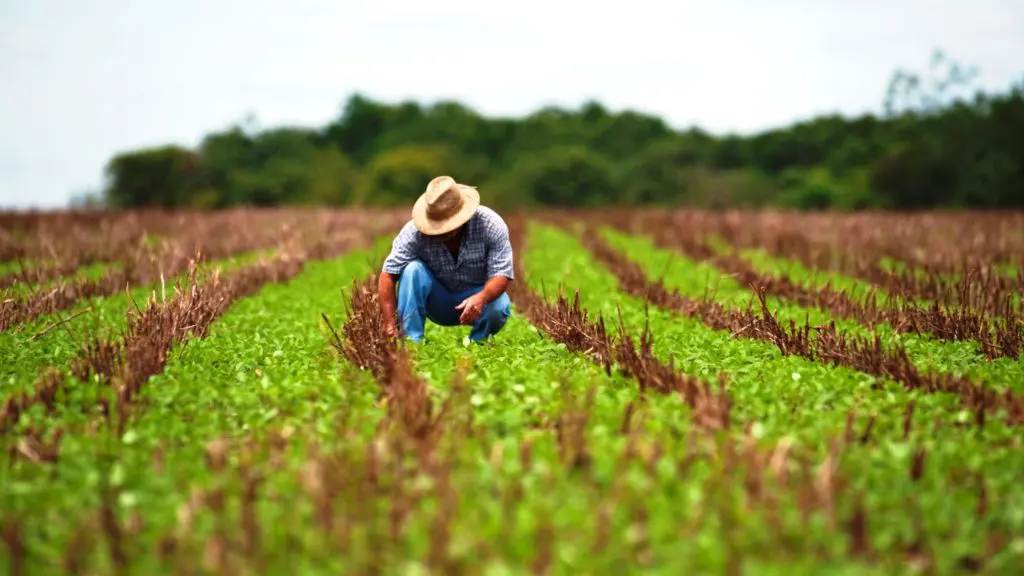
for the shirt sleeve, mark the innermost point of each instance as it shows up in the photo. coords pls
(403, 250)
(499, 249)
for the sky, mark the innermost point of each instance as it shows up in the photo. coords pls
(82, 80)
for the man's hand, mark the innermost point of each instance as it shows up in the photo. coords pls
(471, 308)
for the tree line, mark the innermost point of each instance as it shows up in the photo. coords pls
(935, 145)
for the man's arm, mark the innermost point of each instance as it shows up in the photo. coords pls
(403, 251)
(499, 250)
(494, 287)
(388, 304)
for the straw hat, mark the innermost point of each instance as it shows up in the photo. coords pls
(444, 206)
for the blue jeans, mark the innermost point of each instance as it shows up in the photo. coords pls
(420, 297)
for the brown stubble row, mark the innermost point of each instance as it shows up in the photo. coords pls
(71, 240)
(213, 237)
(933, 241)
(987, 320)
(819, 343)
(31, 223)
(133, 238)
(123, 365)
(87, 237)
(366, 344)
(995, 328)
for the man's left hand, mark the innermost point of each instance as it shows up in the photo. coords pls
(471, 308)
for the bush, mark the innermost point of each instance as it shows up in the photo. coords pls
(398, 176)
(819, 189)
(660, 174)
(564, 176)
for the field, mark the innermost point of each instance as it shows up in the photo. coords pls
(676, 391)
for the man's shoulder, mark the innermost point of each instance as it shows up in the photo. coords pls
(409, 226)
(409, 232)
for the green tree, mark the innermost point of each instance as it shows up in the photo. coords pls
(396, 177)
(566, 176)
(333, 179)
(661, 173)
(356, 131)
(166, 176)
(931, 146)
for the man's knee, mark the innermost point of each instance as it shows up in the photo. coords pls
(416, 276)
(414, 286)
(415, 270)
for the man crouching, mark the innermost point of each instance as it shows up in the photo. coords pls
(452, 263)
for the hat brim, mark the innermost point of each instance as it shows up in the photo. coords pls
(470, 202)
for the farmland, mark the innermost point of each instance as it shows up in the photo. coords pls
(213, 392)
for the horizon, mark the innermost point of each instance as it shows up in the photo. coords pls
(103, 78)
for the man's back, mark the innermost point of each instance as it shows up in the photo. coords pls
(485, 251)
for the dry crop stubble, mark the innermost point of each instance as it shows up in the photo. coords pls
(434, 487)
(825, 343)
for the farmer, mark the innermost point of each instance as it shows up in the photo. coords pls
(452, 262)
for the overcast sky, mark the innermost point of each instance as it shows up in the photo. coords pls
(81, 80)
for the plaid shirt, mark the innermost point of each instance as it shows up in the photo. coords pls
(485, 252)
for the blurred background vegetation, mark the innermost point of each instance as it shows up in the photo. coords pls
(937, 144)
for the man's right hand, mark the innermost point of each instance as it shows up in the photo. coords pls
(391, 329)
